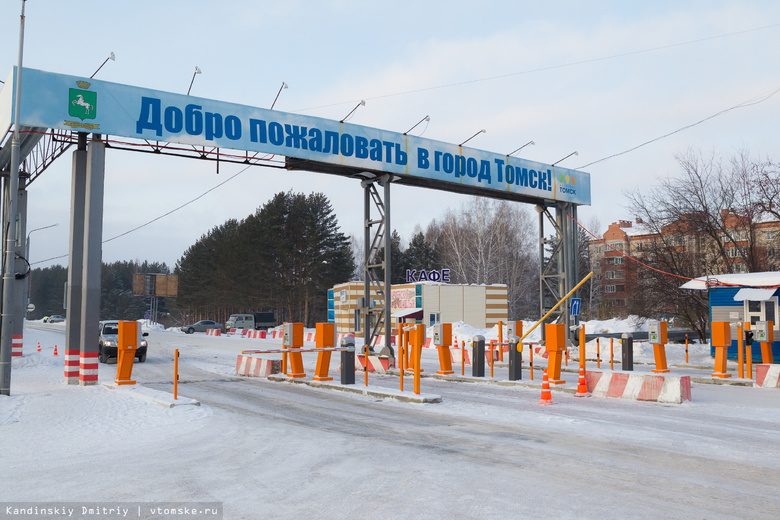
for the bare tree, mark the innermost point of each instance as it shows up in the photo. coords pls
(487, 242)
(702, 222)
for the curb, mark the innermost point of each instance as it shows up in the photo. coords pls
(150, 395)
(382, 393)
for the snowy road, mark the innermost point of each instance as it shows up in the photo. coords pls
(488, 451)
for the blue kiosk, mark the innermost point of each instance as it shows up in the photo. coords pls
(744, 297)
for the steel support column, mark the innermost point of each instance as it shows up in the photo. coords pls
(558, 273)
(75, 259)
(92, 258)
(372, 243)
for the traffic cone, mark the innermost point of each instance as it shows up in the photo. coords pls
(546, 394)
(39, 346)
(55, 350)
(582, 385)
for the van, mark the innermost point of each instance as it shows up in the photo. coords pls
(253, 321)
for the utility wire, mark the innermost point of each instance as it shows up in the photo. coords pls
(160, 217)
(744, 104)
(550, 67)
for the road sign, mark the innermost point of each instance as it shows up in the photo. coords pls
(575, 306)
(30, 307)
(147, 316)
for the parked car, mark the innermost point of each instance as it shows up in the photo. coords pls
(201, 326)
(108, 339)
(54, 319)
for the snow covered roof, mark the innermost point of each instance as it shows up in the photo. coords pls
(770, 279)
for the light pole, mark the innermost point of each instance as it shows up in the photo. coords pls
(27, 257)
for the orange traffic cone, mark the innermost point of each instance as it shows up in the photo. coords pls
(39, 346)
(546, 394)
(55, 350)
(582, 385)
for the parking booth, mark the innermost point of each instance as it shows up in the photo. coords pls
(442, 339)
(656, 331)
(765, 335)
(555, 337)
(127, 343)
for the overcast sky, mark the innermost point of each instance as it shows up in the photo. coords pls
(595, 77)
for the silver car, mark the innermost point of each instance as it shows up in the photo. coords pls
(201, 326)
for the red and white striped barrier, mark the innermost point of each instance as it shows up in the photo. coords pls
(88, 368)
(16, 345)
(256, 334)
(455, 355)
(213, 332)
(377, 364)
(768, 376)
(639, 387)
(257, 367)
(72, 366)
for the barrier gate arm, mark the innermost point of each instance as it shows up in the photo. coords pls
(556, 306)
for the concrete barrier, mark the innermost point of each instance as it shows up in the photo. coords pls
(768, 376)
(639, 387)
(378, 364)
(257, 367)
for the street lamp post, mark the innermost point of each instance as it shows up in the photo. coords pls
(27, 256)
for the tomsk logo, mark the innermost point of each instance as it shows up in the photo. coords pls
(566, 179)
(566, 184)
(82, 103)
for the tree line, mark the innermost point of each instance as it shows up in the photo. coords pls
(47, 291)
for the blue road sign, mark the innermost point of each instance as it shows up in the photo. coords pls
(575, 306)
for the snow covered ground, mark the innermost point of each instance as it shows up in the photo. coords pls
(267, 449)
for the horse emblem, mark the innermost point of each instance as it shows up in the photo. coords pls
(83, 104)
(80, 101)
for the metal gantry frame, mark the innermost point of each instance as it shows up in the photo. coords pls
(558, 273)
(376, 234)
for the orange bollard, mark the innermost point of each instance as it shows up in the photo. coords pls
(500, 341)
(567, 357)
(463, 357)
(749, 354)
(583, 354)
(611, 355)
(686, 348)
(598, 354)
(492, 355)
(546, 394)
(531, 359)
(740, 351)
(176, 374)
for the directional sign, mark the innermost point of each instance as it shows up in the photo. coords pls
(575, 306)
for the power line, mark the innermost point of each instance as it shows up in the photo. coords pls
(744, 104)
(550, 67)
(160, 217)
